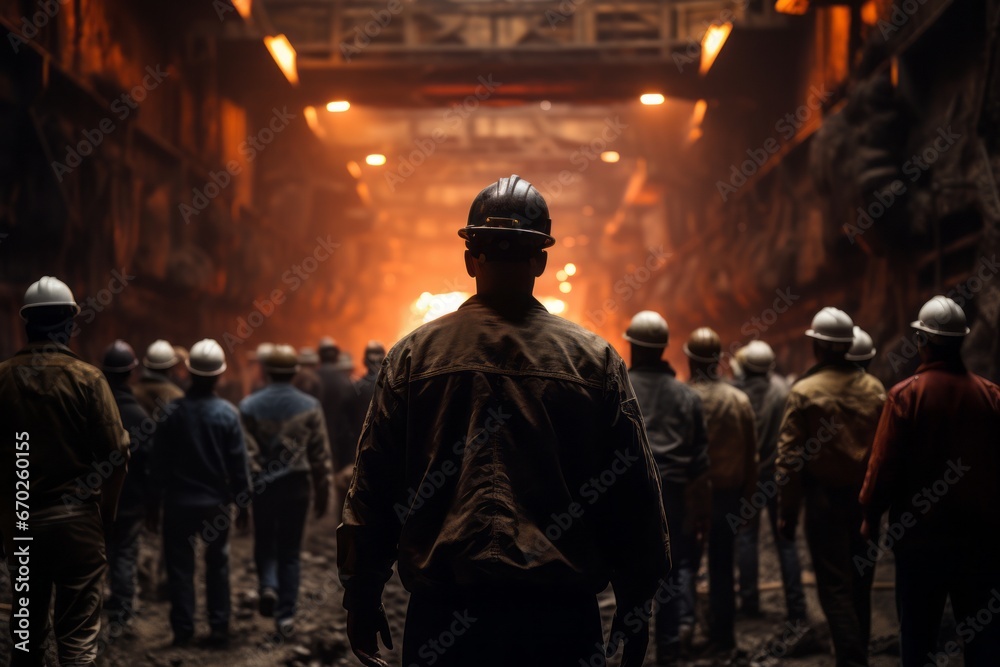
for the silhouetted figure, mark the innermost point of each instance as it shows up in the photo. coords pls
(338, 409)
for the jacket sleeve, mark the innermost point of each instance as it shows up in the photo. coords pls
(748, 420)
(238, 458)
(884, 461)
(109, 441)
(640, 545)
(367, 540)
(791, 461)
(255, 458)
(159, 463)
(318, 448)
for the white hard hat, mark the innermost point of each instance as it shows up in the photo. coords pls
(48, 291)
(832, 325)
(758, 357)
(863, 347)
(647, 329)
(207, 358)
(160, 355)
(942, 317)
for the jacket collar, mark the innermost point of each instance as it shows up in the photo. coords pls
(947, 366)
(661, 366)
(43, 346)
(844, 367)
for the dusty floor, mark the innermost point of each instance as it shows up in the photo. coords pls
(321, 638)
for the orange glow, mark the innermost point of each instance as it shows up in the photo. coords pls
(565, 288)
(797, 7)
(570, 269)
(432, 306)
(284, 54)
(698, 114)
(652, 99)
(711, 44)
(312, 120)
(610, 156)
(338, 106)
(553, 305)
(561, 275)
(354, 169)
(375, 160)
(244, 7)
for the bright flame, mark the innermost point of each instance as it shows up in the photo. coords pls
(244, 7)
(432, 306)
(797, 7)
(652, 99)
(284, 54)
(610, 156)
(375, 160)
(312, 119)
(354, 168)
(712, 42)
(565, 288)
(570, 269)
(553, 305)
(338, 106)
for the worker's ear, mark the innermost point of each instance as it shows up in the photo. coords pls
(471, 265)
(538, 263)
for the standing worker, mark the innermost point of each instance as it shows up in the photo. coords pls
(678, 440)
(823, 448)
(292, 454)
(61, 424)
(862, 349)
(338, 411)
(732, 455)
(155, 390)
(199, 466)
(306, 379)
(364, 387)
(935, 467)
(544, 488)
(768, 394)
(123, 538)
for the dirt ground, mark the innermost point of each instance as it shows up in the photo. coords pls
(321, 638)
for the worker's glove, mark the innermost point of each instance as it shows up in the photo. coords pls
(364, 625)
(634, 641)
(322, 500)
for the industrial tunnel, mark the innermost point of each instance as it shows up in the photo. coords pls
(284, 170)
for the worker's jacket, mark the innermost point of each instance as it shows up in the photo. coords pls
(337, 396)
(768, 394)
(935, 464)
(155, 392)
(62, 435)
(827, 432)
(732, 440)
(504, 445)
(140, 427)
(289, 431)
(675, 423)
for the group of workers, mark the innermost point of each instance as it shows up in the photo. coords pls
(511, 466)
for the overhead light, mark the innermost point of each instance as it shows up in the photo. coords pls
(244, 7)
(312, 120)
(698, 113)
(354, 168)
(652, 99)
(561, 275)
(610, 156)
(570, 269)
(796, 7)
(711, 43)
(375, 160)
(565, 288)
(338, 106)
(284, 54)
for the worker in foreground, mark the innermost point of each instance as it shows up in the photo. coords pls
(675, 425)
(60, 424)
(505, 467)
(293, 455)
(823, 448)
(935, 467)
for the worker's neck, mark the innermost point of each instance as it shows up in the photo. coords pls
(704, 372)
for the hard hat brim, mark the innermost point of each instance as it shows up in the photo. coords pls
(120, 369)
(160, 365)
(698, 357)
(860, 357)
(196, 371)
(756, 368)
(643, 343)
(812, 333)
(283, 369)
(48, 304)
(920, 326)
(525, 237)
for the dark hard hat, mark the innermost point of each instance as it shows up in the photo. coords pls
(510, 212)
(703, 345)
(119, 357)
(282, 360)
